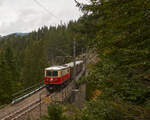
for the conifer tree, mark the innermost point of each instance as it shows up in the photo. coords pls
(122, 41)
(5, 79)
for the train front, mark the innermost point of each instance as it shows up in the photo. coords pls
(52, 76)
(56, 76)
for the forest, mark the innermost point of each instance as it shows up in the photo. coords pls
(119, 32)
(23, 58)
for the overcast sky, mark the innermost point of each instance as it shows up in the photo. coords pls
(28, 15)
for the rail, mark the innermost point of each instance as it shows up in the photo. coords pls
(29, 107)
(27, 95)
(8, 117)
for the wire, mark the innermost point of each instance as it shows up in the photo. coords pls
(47, 10)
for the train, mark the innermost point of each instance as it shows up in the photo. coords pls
(57, 77)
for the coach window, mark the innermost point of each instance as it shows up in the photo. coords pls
(55, 73)
(48, 73)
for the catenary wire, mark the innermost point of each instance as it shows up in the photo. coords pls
(44, 8)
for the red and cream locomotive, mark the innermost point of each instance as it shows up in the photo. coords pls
(59, 76)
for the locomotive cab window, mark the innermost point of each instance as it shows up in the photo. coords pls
(51, 73)
(48, 73)
(55, 73)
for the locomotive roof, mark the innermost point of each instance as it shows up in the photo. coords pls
(71, 64)
(56, 68)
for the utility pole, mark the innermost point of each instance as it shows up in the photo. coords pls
(74, 59)
(86, 61)
(61, 23)
(86, 58)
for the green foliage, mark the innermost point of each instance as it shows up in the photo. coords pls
(120, 31)
(122, 47)
(55, 112)
(8, 78)
(34, 64)
(110, 110)
(82, 80)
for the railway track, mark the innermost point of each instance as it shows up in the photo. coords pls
(24, 106)
(14, 115)
(27, 95)
(13, 110)
(16, 111)
(24, 110)
(18, 115)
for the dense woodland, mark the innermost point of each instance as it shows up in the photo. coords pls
(121, 36)
(23, 58)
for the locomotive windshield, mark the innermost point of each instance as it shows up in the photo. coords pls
(48, 73)
(55, 73)
(51, 73)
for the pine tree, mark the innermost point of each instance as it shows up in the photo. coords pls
(122, 42)
(5, 80)
(34, 64)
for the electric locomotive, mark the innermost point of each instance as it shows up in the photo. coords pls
(57, 77)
